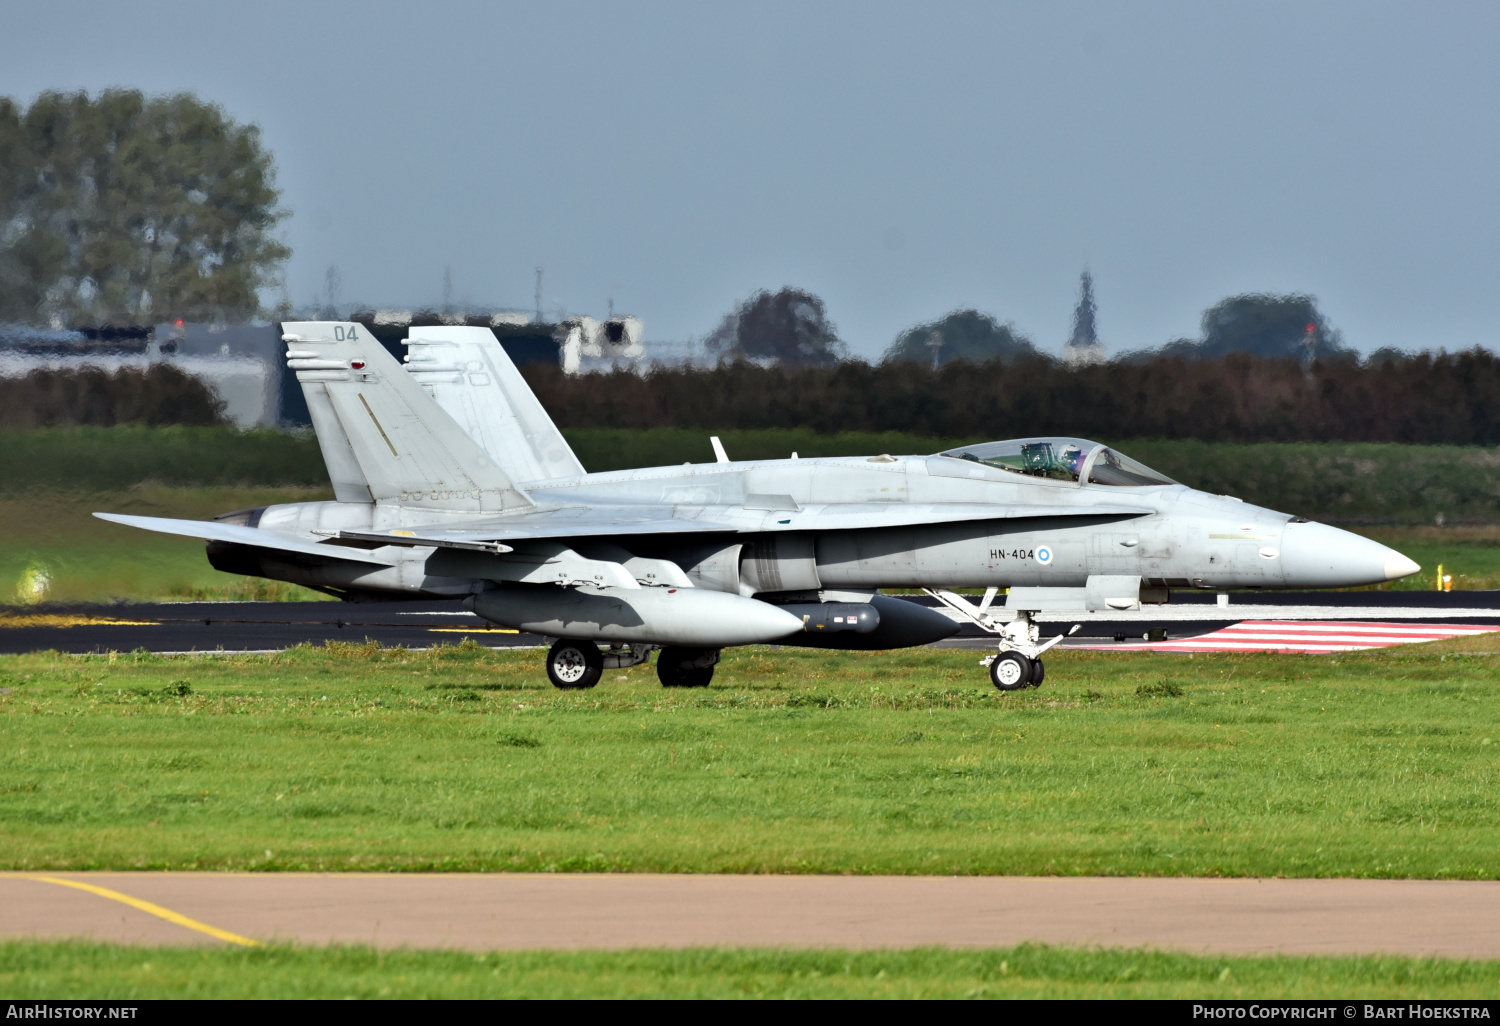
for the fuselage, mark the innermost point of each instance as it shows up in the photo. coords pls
(1171, 536)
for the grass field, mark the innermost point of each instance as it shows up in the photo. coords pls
(1370, 765)
(32, 971)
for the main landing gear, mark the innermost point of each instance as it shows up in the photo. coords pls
(574, 665)
(686, 667)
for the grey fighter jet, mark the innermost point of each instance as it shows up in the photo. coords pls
(451, 481)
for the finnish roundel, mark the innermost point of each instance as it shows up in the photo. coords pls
(1043, 555)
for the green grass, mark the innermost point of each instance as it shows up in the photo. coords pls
(54, 535)
(94, 459)
(1369, 765)
(34, 971)
(1469, 554)
(1339, 482)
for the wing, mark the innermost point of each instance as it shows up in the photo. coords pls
(241, 535)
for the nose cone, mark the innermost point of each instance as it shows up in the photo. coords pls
(1319, 556)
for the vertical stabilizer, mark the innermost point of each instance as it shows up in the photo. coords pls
(349, 484)
(407, 449)
(474, 381)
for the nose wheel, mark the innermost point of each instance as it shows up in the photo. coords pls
(1018, 664)
(1011, 671)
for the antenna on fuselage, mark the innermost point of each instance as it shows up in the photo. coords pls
(720, 456)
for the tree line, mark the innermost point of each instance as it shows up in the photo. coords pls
(1429, 398)
(159, 394)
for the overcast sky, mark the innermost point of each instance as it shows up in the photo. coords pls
(899, 160)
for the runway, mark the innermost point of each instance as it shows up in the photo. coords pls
(271, 626)
(613, 911)
(245, 626)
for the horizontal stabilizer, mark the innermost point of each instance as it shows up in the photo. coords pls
(241, 535)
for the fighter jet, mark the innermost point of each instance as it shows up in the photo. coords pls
(450, 480)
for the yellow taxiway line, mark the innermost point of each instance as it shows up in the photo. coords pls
(471, 630)
(150, 907)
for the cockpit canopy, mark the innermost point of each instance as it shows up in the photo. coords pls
(1062, 459)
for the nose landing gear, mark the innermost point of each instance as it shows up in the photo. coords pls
(1018, 664)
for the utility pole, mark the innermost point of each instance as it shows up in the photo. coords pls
(539, 295)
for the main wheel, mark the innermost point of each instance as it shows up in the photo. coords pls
(1011, 671)
(572, 665)
(1038, 673)
(675, 669)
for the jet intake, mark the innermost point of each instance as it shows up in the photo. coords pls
(779, 562)
(694, 617)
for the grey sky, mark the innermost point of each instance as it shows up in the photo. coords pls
(900, 160)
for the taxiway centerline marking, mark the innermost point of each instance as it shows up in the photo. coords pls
(471, 630)
(151, 908)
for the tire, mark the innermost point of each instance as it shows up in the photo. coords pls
(1038, 673)
(574, 665)
(1011, 671)
(675, 669)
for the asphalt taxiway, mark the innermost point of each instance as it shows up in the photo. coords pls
(271, 626)
(480, 911)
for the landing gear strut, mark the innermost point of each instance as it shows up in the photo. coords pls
(1018, 664)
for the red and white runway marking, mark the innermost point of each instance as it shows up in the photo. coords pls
(1310, 637)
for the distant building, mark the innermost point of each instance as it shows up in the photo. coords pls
(578, 345)
(245, 364)
(241, 362)
(585, 344)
